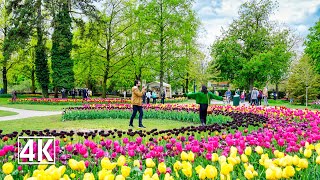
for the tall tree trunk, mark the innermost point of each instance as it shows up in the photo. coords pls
(277, 90)
(4, 78)
(56, 95)
(33, 79)
(161, 47)
(251, 84)
(187, 82)
(104, 85)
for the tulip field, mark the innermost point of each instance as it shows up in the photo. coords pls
(247, 143)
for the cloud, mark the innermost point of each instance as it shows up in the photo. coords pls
(217, 14)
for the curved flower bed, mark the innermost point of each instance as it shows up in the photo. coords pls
(66, 101)
(286, 147)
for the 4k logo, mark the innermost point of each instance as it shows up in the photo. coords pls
(36, 149)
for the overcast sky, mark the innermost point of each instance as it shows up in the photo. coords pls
(299, 15)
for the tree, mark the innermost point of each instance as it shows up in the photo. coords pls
(88, 64)
(304, 82)
(253, 50)
(41, 61)
(313, 44)
(62, 64)
(16, 28)
(112, 25)
(166, 19)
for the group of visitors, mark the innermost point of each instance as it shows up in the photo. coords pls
(151, 95)
(84, 93)
(254, 97)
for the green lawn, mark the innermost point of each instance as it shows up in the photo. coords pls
(54, 122)
(286, 104)
(7, 113)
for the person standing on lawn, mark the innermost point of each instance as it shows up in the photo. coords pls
(136, 101)
(203, 98)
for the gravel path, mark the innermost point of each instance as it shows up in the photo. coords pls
(26, 113)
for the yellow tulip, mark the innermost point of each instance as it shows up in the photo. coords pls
(73, 175)
(278, 172)
(148, 171)
(267, 163)
(202, 174)
(121, 160)
(211, 171)
(8, 177)
(65, 177)
(73, 164)
(88, 176)
(106, 164)
(276, 152)
(102, 174)
(303, 163)
(295, 160)
(215, 157)
(232, 161)
(155, 177)
(7, 168)
(248, 151)
(81, 166)
(222, 159)
(226, 168)
(136, 163)
(168, 177)
(280, 155)
(184, 156)
(307, 153)
(318, 160)
(248, 174)
(42, 165)
(238, 160)
(62, 169)
(150, 163)
(109, 177)
(255, 173)
(187, 169)
(198, 168)
(125, 171)
(289, 171)
(270, 174)
(120, 177)
(177, 166)
(233, 150)
(259, 150)
(191, 156)
(244, 158)
(146, 177)
(162, 167)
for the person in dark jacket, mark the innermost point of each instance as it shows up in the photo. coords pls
(163, 96)
(203, 98)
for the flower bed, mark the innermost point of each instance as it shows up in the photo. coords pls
(286, 146)
(66, 101)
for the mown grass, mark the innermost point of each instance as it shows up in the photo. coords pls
(7, 113)
(287, 104)
(54, 122)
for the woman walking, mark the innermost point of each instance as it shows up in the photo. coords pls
(203, 98)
